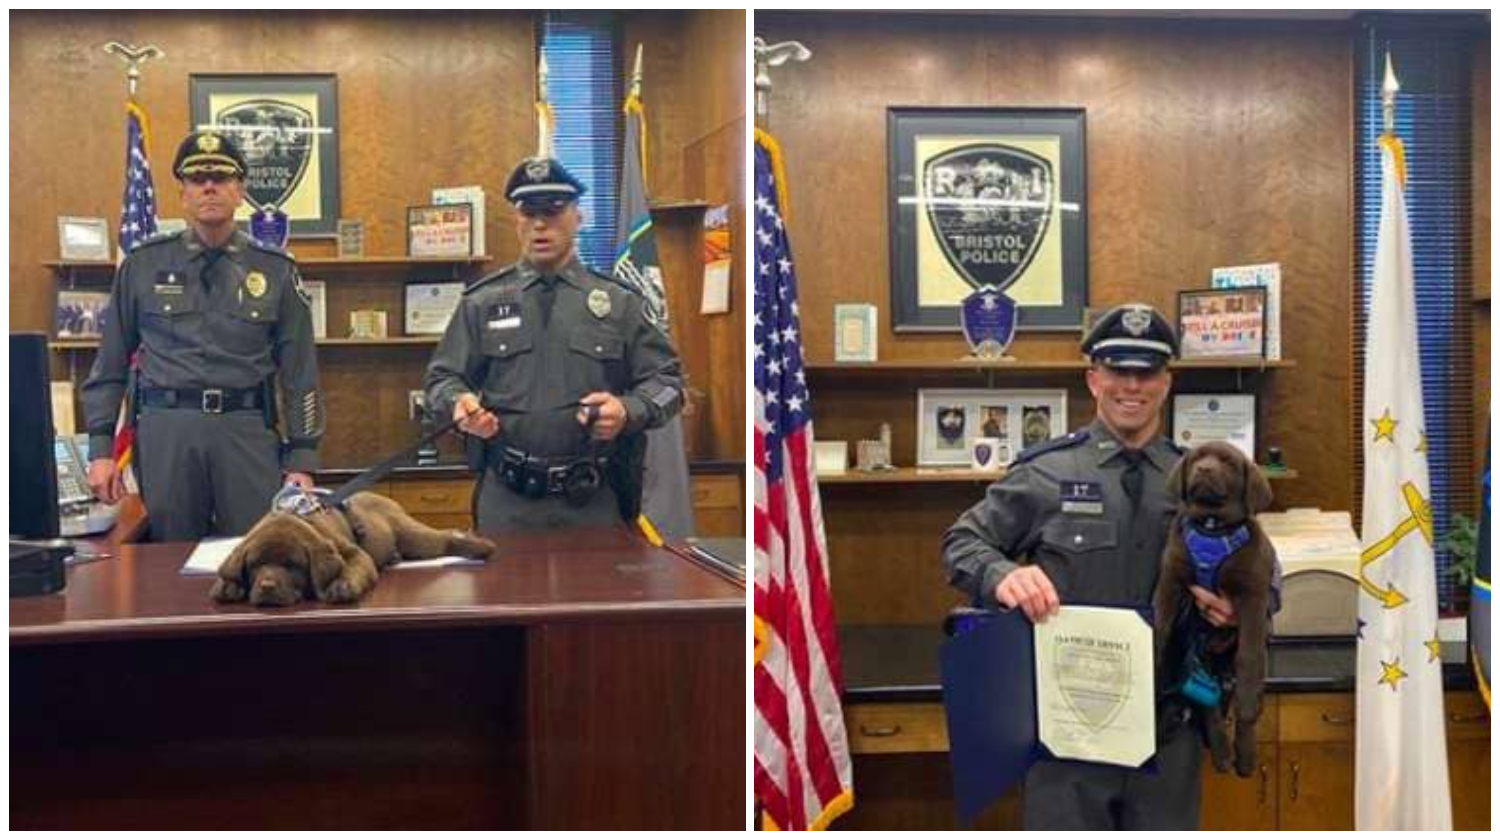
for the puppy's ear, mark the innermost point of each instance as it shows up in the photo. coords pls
(1177, 478)
(324, 564)
(235, 568)
(1257, 489)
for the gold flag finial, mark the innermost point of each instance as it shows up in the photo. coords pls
(1388, 91)
(545, 120)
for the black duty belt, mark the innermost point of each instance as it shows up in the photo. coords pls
(206, 400)
(573, 477)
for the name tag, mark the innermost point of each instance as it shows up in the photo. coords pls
(1082, 497)
(168, 282)
(506, 323)
(504, 316)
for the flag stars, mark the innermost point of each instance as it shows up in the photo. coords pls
(794, 404)
(1422, 443)
(1391, 673)
(1434, 647)
(1385, 427)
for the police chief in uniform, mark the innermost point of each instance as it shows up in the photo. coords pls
(547, 364)
(217, 316)
(1083, 519)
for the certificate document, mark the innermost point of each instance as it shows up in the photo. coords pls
(1095, 685)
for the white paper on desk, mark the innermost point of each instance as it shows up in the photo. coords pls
(210, 555)
(439, 562)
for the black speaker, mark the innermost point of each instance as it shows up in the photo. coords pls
(33, 464)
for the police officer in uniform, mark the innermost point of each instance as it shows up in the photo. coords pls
(546, 365)
(1083, 519)
(216, 316)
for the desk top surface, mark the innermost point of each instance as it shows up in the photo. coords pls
(582, 575)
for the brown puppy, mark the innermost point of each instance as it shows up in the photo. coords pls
(1218, 492)
(331, 555)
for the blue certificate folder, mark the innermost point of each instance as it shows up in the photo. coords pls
(989, 693)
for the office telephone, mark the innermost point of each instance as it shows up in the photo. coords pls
(78, 514)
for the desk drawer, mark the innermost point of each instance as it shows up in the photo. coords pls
(896, 727)
(449, 496)
(1467, 717)
(716, 491)
(1316, 718)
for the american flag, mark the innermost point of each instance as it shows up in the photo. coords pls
(138, 207)
(803, 776)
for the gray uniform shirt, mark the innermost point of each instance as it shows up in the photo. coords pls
(535, 367)
(231, 318)
(1061, 506)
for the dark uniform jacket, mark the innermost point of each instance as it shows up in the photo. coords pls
(1061, 506)
(204, 319)
(533, 368)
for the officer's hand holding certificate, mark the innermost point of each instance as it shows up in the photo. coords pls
(1095, 685)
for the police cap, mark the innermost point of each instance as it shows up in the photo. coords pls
(543, 182)
(1131, 336)
(208, 152)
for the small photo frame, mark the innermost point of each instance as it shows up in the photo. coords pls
(351, 239)
(950, 420)
(317, 305)
(831, 457)
(1200, 418)
(429, 306)
(854, 332)
(368, 324)
(80, 314)
(81, 239)
(440, 230)
(1222, 323)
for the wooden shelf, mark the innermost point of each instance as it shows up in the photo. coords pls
(320, 262)
(1024, 366)
(946, 475)
(394, 341)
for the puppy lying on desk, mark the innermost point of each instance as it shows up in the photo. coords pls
(306, 549)
(1215, 543)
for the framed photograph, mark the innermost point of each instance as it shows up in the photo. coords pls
(854, 332)
(1200, 418)
(440, 230)
(429, 306)
(987, 197)
(287, 128)
(351, 239)
(80, 314)
(80, 239)
(950, 420)
(1222, 323)
(1264, 274)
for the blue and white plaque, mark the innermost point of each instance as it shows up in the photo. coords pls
(989, 322)
(270, 226)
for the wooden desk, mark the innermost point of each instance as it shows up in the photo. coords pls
(580, 680)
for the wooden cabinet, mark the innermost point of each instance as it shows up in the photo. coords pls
(719, 504)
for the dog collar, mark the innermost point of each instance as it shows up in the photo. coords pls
(1209, 550)
(294, 500)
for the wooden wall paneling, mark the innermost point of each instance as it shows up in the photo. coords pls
(1192, 163)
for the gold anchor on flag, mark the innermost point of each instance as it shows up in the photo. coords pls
(1421, 518)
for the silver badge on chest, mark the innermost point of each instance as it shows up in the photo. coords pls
(599, 303)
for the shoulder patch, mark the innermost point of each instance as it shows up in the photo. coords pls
(489, 279)
(1056, 444)
(157, 239)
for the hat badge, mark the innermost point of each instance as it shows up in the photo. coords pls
(536, 169)
(255, 284)
(1136, 321)
(208, 143)
(599, 303)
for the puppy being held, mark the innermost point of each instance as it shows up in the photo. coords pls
(1216, 544)
(305, 549)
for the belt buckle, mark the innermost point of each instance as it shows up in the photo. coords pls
(213, 401)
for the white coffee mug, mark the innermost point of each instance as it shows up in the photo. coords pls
(984, 454)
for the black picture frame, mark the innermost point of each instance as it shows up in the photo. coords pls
(1044, 254)
(1193, 328)
(296, 135)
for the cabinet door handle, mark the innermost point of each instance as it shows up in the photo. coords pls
(1472, 717)
(435, 497)
(1296, 779)
(1336, 720)
(879, 731)
(1265, 784)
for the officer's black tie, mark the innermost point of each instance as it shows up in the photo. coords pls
(547, 297)
(1130, 480)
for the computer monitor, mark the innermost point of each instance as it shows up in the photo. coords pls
(33, 465)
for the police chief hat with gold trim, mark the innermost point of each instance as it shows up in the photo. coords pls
(543, 183)
(1132, 337)
(208, 152)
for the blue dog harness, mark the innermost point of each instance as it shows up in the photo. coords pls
(1208, 552)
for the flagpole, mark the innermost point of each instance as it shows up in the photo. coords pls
(545, 119)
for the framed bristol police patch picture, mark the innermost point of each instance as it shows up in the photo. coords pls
(987, 197)
(286, 126)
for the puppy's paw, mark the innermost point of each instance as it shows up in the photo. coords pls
(470, 545)
(341, 591)
(226, 591)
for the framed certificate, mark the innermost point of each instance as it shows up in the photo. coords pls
(440, 230)
(854, 332)
(1200, 418)
(82, 239)
(429, 306)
